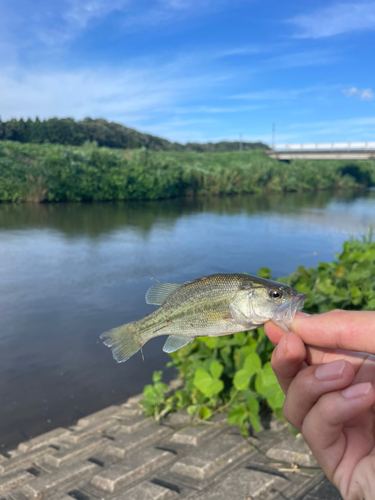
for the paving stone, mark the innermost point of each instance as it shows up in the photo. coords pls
(323, 491)
(131, 411)
(127, 443)
(134, 399)
(58, 496)
(23, 460)
(43, 440)
(148, 491)
(179, 418)
(131, 469)
(14, 453)
(212, 458)
(71, 454)
(61, 478)
(212, 462)
(15, 494)
(242, 484)
(195, 435)
(294, 450)
(110, 411)
(133, 424)
(13, 480)
(80, 433)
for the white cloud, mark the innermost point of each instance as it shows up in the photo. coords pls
(165, 11)
(57, 23)
(335, 20)
(129, 95)
(301, 59)
(284, 94)
(350, 92)
(244, 50)
(347, 130)
(365, 94)
(216, 109)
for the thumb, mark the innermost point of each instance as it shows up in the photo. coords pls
(348, 330)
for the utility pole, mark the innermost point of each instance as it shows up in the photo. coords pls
(241, 145)
(273, 135)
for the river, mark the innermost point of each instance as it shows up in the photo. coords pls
(68, 272)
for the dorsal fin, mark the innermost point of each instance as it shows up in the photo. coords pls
(157, 294)
(173, 343)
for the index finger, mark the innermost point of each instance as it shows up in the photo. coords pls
(348, 330)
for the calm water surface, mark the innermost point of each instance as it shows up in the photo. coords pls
(69, 272)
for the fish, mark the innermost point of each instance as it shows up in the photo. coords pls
(213, 305)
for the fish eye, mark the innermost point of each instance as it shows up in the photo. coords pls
(275, 293)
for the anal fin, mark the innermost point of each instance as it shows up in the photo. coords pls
(173, 343)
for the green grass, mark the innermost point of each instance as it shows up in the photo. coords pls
(46, 172)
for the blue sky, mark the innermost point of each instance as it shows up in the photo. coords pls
(194, 70)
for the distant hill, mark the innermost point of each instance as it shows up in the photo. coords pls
(67, 131)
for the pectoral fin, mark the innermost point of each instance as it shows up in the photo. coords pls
(158, 293)
(174, 343)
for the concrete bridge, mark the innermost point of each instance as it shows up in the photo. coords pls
(324, 151)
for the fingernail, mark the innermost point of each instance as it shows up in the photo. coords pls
(330, 371)
(300, 314)
(281, 349)
(356, 391)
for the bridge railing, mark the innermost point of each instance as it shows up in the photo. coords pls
(326, 146)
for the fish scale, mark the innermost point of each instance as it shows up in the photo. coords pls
(214, 305)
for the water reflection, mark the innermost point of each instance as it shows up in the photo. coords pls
(69, 272)
(94, 220)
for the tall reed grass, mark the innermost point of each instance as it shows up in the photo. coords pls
(37, 173)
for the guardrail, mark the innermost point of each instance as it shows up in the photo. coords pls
(326, 146)
(324, 151)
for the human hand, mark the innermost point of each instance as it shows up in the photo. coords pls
(330, 396)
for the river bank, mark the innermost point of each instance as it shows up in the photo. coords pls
(69, 272)
(117, 451)
(54, 173)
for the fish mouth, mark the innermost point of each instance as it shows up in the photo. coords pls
(285, 314)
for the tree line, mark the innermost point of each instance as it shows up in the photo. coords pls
(67, 131)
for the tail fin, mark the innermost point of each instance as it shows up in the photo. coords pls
(123, 340)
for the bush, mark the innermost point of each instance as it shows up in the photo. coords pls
(234, 372)
(51, 172)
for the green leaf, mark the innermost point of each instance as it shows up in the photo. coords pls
(266, 382)
(241, 380)
(206, 384)
(148, 390)
(277, 400)
(205, 413)
(253, 405)
(156, 376)
(237, 415)
(255, 422)
(160, 388)
(216, 369)
(192, 409)
(252, 363)
(210, 342)
(249, 348)
(264, 272)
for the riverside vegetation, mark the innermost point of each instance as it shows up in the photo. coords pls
(56, 173)
(233, 373)
(110, 134)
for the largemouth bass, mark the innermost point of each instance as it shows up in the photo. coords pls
(211, 306)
